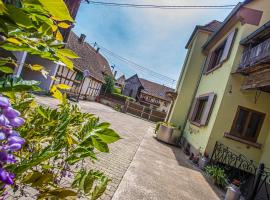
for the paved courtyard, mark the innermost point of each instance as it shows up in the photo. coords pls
(141, 168)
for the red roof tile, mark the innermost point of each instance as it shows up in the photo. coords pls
(155, 89)
(89, 58)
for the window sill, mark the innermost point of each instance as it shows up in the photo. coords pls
(196, 124)
(213, 69)
(249, 143)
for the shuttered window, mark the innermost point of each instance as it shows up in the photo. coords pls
(220, 54)
(247, 124)
(201, 109)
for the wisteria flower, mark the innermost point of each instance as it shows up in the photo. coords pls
(10, 112)
(3, 120)
(16, 122)
(6, 177)
(4, 102)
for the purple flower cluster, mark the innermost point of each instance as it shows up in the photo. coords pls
(10, 140)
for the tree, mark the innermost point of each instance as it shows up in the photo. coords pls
(109, 84)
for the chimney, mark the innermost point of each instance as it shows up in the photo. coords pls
(97, 50)
(115, 73)
(82, 38)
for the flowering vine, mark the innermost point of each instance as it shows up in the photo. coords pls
(10, 140)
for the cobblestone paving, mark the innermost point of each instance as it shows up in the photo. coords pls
(132, 131)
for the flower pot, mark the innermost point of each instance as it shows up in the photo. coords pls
(203, 162)
(165, 134)
(233, 193)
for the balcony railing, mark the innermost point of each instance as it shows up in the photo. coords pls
(256, 55)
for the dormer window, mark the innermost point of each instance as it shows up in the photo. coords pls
(220, 54)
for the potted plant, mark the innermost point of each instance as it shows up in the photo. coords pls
(217, 175)
(164, 132)
(233, 191)
(204, 160)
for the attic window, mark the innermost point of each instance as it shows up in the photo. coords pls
(220, 54)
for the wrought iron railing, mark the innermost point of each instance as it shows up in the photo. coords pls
(255, 55)
(254, 177)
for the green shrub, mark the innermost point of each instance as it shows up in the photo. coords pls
(108, 86)
(124, 97)
(217, 174)
(116, 90)
(57, 140)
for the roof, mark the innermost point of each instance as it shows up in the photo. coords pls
(89, 58)
(228, 18)
(260, 34)
(210, 27)
(134, 76)
(121, 80)
(155, 89)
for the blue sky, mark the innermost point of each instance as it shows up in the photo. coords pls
(153, 38)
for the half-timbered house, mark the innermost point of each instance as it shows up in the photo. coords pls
(90, 60)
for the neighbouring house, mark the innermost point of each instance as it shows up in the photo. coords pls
(148, 93)
(224, 88)
(91, 60)
(51, 67)
(120, 82)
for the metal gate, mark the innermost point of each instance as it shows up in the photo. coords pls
(254, 177)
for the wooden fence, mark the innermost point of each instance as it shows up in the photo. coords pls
(144, 112)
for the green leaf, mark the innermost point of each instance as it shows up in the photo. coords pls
(99, 144)
(6, 70)
(2, 7)
(63, 86)
(13, 84)
(100, 188)
(42, 112)
(108, 135)
(62, 193)
(89, 181)
(34, 162)
(66, 61)
(19, 17)
(38, 179)
(67, 53)
(58, 9)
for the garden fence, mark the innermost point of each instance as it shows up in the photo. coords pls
(254, 177)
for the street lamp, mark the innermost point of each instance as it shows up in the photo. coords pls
(86, 73)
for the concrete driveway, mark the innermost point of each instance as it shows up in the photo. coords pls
(141, 168)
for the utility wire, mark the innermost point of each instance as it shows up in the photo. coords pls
(131, 5)
(136, 67)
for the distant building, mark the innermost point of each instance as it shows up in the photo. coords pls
(120, 82)
(148, 93)
(91, 60)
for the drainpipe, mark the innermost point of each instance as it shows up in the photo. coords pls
(21, 62)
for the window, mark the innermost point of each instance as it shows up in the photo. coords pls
(201, 109)
(216, 56)
(220, 54)
(199, 112)
(79, 76)
(247, 124)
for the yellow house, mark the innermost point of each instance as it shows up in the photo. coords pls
(224, 88)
